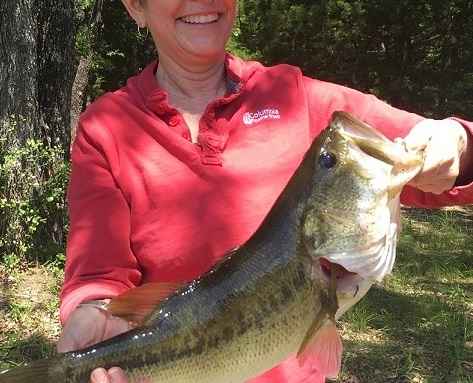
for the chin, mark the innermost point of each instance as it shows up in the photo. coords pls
(207, 53)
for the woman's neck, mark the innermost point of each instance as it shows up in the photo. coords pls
(191, 90)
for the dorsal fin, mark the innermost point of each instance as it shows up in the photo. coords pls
(136, 304)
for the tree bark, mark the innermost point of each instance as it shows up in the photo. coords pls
(37, 70)
(18, 65)
(81, 81)
(56, 69)
(78, 92)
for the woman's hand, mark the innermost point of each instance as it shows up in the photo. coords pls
(89, 325)
(448, 154)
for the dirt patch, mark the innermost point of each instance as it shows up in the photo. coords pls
(29, 304)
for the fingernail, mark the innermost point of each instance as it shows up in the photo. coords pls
(116, 375)
(99, 376)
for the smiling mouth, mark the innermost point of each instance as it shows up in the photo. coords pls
(200, 19)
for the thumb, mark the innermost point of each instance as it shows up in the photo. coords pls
(420, 135)
(117, 375)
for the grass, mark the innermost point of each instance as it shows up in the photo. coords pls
(418, 325)
(415, 327)
(29, 320)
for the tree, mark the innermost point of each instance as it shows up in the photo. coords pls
(416, 55)
(37, 69)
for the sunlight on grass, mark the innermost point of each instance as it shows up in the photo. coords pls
(424, 311)
(29, 323)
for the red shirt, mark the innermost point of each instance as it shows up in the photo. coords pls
(146, 204)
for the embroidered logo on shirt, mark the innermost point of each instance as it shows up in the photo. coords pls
(260, 115)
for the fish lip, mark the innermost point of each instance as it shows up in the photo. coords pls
(326, 266)
(347, 282)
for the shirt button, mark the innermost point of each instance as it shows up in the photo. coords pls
(174, 121)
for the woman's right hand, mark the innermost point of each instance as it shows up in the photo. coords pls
(86, 326)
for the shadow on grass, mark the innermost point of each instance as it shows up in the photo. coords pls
(18, 351)
(421, 335)
(423, 315)
(20, 344)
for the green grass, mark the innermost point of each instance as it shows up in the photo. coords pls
(29, 321)
(415, 327)
(418, 325)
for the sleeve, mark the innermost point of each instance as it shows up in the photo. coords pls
(325, 98)
(99, 259)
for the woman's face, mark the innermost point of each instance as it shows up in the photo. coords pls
(189, 29)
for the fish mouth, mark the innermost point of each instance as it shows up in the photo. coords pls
(347, 286)
(328, 268)
(347, 283)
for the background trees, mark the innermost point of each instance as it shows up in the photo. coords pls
(416, 55)
(58, 55)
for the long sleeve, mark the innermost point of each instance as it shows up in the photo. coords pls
(325, 98)
(100, 262)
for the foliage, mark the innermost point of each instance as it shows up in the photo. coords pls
(33, 179)
(121, 51)
(417, 55)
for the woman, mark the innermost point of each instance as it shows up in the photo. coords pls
(182, 164)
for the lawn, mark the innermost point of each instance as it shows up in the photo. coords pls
(417, 326)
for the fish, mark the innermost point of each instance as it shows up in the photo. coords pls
(329, 236)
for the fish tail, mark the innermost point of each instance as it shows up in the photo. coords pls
(37, 372)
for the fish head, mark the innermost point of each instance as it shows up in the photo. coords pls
(351, 220)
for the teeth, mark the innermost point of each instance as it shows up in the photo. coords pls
(200, 19)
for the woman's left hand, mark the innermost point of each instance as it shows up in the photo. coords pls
(448, 154)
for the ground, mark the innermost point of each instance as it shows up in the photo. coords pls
(417, 326)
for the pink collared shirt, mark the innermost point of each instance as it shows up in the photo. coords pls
(146, 204)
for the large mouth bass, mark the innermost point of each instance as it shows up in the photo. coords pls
(329, 236)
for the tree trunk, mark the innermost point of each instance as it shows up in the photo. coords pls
(78, 92)
(37, 67)
(37, 70)
(81, 81)
(19, 65)
(56, 69)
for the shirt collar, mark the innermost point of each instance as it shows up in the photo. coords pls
(156, 98)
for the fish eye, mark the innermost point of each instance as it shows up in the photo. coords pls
(327, 160)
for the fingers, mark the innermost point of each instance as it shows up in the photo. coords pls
(84, 327)
(437, 175)
(117, 375)
(88, 325)
(100, 375)
(114, 375)
(115, 326)
(443, 144)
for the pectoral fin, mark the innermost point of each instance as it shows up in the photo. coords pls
(136, 304)
(324, 348)
(322, 344)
